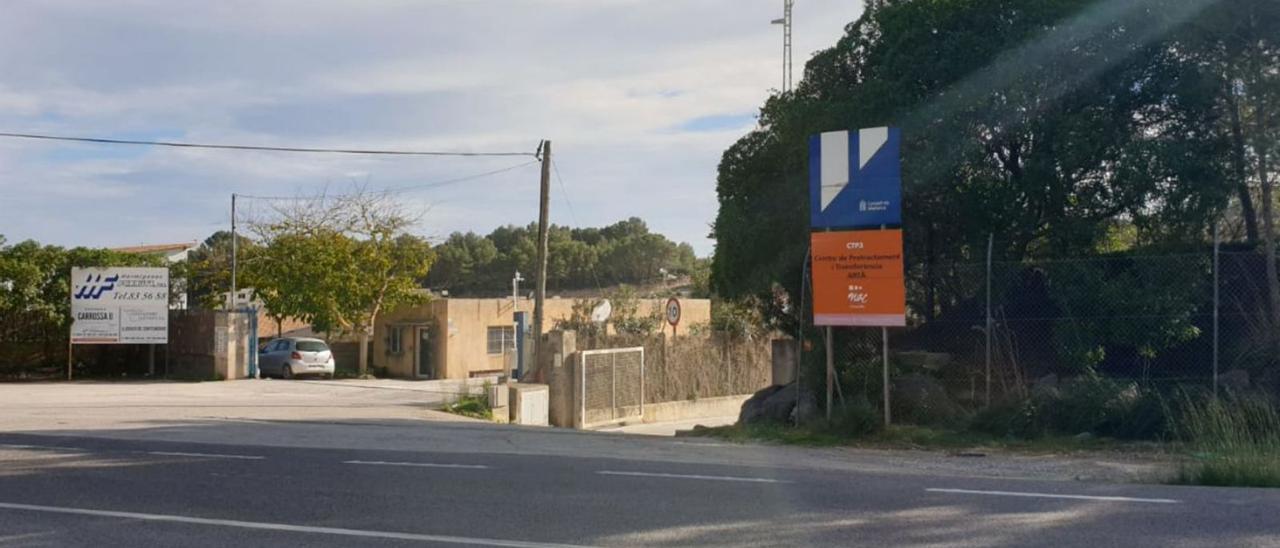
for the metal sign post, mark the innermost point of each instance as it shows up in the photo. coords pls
(855, 180)
(673, 314)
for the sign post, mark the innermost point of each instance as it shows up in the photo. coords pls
(673, 314)
(119, 305)
(855, 181)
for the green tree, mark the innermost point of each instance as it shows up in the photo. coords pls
(341, 262)
(207, 270)
(1046, 123)
(35, 283)
(625, 252)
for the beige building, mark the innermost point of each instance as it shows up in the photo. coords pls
(449, 338)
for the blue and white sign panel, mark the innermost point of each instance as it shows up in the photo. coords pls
(120, 305)
(855, 178)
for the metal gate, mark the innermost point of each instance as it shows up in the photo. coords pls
(611, 387)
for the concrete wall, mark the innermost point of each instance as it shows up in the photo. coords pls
(207, 344)
(694, 409)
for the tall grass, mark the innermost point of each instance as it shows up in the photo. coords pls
(1236, 441)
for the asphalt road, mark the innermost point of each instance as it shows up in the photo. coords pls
(94, 491)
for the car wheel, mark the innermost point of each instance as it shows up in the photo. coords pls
(286, 373)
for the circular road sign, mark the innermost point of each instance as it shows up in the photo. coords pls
(673, 311)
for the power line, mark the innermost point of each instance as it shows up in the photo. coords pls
(573, 215)
(254, 147)
(410, 188)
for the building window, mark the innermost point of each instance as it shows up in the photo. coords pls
(501, 339)
(395, 340)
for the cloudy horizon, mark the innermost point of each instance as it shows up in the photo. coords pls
(639, 98)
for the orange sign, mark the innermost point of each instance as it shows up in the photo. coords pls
(858, 278)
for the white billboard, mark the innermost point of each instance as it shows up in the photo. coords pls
(119, 305)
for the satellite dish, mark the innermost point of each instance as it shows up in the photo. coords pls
(602, 311)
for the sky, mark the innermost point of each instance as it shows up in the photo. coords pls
(639, 98)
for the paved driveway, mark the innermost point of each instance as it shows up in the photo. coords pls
(128, 405)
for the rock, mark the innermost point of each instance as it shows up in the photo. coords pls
(922, 399)
(1083, 436)
(1235, 379)
(765, 405)
(807, 410)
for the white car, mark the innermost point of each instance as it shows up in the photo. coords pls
(291, 357)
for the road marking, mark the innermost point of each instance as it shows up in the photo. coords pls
(1052, 496)
(690, 476)
(417, 464)
(700, 444)
(57, 447)
(475, 541)
(204, 455)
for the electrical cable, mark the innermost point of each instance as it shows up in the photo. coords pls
(176, 144)
(409, 188)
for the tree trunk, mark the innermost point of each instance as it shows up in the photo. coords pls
(363, 360)
(1241, 171)
(1261, 146)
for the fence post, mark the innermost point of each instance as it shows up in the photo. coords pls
(831, 372)
(987, 328)
(888, 415)
(1216, 244)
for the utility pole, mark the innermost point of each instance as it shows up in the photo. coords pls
(233, 252)
(540, 283)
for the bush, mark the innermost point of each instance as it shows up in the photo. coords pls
(856, 419)
(1236, 439)
(1019, 418)
(1089, 403)
(472, 405)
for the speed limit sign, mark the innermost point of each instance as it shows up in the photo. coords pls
(673, 311)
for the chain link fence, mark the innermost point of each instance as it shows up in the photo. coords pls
(981, 335)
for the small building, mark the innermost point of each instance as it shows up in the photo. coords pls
(450, 338)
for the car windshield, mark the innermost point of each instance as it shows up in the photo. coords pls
(312, 346)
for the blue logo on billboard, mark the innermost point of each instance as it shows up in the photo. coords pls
(95, 286)
(855, 178)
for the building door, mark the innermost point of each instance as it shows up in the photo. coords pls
(424, 352)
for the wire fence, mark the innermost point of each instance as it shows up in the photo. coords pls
(1160, 322)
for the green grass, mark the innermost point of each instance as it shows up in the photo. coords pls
(909, 437)
(471, 406)
(1235, 442)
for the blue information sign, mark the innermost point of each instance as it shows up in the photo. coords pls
(855, 178)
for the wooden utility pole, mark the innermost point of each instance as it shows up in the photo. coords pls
(540, 283)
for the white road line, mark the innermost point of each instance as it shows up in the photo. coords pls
(417, 464)
(204, 455)
(1052, 496)
(57, 447)
(702, 444)
(284, 527)
(690, 476)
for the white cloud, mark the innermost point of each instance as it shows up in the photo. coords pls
(612, 83)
